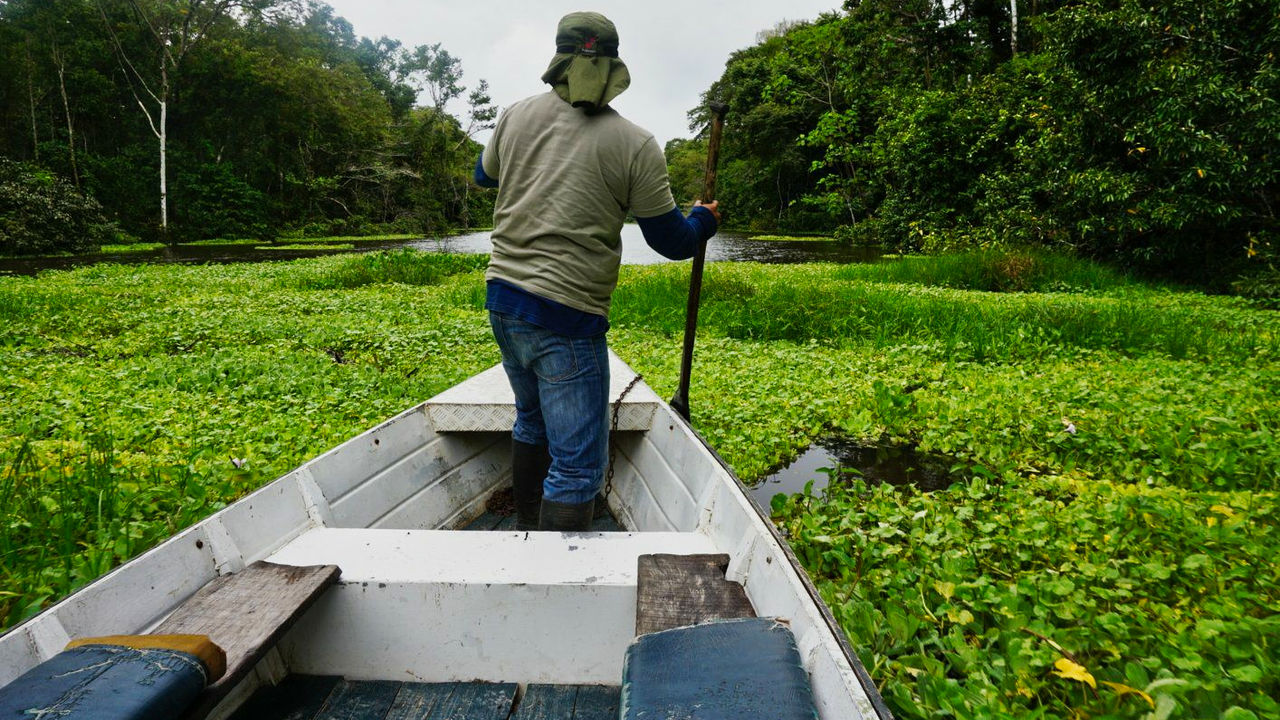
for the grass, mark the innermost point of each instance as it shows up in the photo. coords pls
(308, 246)
(825, 305)
(1139, 543)
(791, 238)
(305, 241)
(132, 247)
(994, 270)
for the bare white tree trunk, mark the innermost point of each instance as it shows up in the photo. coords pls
(164, 174)
(35, 136)
(1013, 27)
(163, 134)
(174, 39)
(66, 109)
(31, 96)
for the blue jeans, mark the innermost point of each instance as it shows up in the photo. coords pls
(561, 385)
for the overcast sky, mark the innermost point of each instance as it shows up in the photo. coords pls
(674, 50)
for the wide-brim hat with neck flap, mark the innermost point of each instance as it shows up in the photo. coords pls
(586, 71)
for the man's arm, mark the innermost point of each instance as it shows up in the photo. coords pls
(482, 178)
(676, 237)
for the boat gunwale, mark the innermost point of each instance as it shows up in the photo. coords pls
(842, 640)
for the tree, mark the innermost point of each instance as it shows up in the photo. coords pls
(42, 213)
(481, 112)
(432, 70)
(380, 62)
(174, 28)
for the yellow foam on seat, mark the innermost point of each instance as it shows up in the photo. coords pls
(204, 649)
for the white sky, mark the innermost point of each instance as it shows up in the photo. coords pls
(675, 50)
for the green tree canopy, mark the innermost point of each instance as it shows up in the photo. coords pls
(1139, 133)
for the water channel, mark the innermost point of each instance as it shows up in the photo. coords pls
(725, 247)
(875, 463)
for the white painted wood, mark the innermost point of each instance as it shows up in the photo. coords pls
(673, 444)
(456, 496)
(318, 508)
(546, 558)
(17, 654)
(437, 606)
(638, 499)
(227, 557)
(673, 480)
(444, 632)
(485, 402)
(433, 481)
(259, 523)
(340, 470)
(48, 637)
(830, 673)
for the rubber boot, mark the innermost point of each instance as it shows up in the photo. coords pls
(529, 465)
(567, 517)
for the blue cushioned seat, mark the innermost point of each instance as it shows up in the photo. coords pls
(723, 670)
(106, 682)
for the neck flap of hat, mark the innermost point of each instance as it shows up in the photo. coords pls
(586, 71)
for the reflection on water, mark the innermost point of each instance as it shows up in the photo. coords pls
(726, 247)
(896, 465)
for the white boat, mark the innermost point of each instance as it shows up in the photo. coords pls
(419, 600)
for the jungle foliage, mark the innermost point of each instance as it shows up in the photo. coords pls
(267, 115)
(1140, 133)
(41, 212)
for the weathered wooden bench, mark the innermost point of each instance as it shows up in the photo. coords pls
(246, 613)
(187, 664)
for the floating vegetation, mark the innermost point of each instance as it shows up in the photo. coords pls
(1112, 450)
(308, 246)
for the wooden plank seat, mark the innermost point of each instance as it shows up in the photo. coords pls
(702, 654)
(186, 665)
(245, 613)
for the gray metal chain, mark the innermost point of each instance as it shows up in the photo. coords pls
(613, 431)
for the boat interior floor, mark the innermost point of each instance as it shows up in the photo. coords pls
(320, 697)
(500, 514)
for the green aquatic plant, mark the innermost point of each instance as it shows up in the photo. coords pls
(307, 246)
(791, 238)
(407, 267)
(1004, 600)
(1116, 418)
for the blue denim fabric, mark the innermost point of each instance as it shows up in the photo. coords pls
(561, 386)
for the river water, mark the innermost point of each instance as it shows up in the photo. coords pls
(726, 247)
(875, 463)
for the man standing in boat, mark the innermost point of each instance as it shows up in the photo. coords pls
(568, 169)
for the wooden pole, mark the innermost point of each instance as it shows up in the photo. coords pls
(680, 402)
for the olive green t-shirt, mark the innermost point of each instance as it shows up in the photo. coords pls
(566, 182)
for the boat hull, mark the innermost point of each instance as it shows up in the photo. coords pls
(421, 601)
